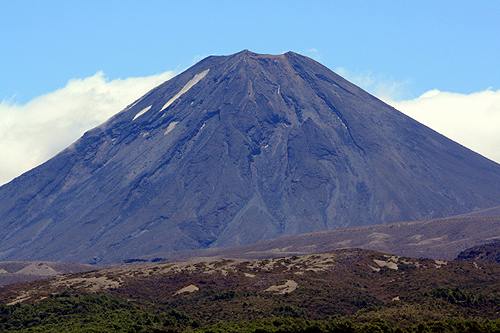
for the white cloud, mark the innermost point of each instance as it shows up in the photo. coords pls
(36, 131)
(314, 54)
(377, 84)
(32, 133)
(472, 120)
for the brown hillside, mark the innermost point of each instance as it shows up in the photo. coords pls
(441, 239)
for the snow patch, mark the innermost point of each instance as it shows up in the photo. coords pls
(188, 86)
(170, 127)
(141, 232)
(143, 111)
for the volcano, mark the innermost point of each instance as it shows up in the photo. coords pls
(235, 150)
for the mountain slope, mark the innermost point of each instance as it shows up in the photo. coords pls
(21, 271)
(235, 150)
(439, 239)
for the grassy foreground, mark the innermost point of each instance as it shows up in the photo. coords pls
(343, 291)
(99, 313)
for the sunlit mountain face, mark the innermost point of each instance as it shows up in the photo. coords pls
(235, 150)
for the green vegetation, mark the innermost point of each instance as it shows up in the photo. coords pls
(67, 312)
(340, 326)
(346, 295)
(437, 310)
(90, 313)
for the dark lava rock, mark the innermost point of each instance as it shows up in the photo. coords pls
(235, 150)
(482, 253)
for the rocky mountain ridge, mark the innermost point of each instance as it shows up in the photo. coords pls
(238, 149)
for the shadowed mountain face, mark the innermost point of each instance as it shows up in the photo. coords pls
(235, 150)
(482, 253)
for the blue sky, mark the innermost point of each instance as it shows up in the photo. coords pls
(397, 50)
(445, 45)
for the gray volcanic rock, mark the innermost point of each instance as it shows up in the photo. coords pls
(235, 150)
(21, 271)
(439, 239)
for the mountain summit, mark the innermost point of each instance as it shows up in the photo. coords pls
(235, 150)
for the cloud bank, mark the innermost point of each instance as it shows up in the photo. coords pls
(473, 120)
(34, 132)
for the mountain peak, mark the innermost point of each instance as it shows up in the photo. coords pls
(246, 55)
(235, 150)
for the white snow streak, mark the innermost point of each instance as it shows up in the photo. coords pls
(188, 86)
(143, 111)
(170, 127)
